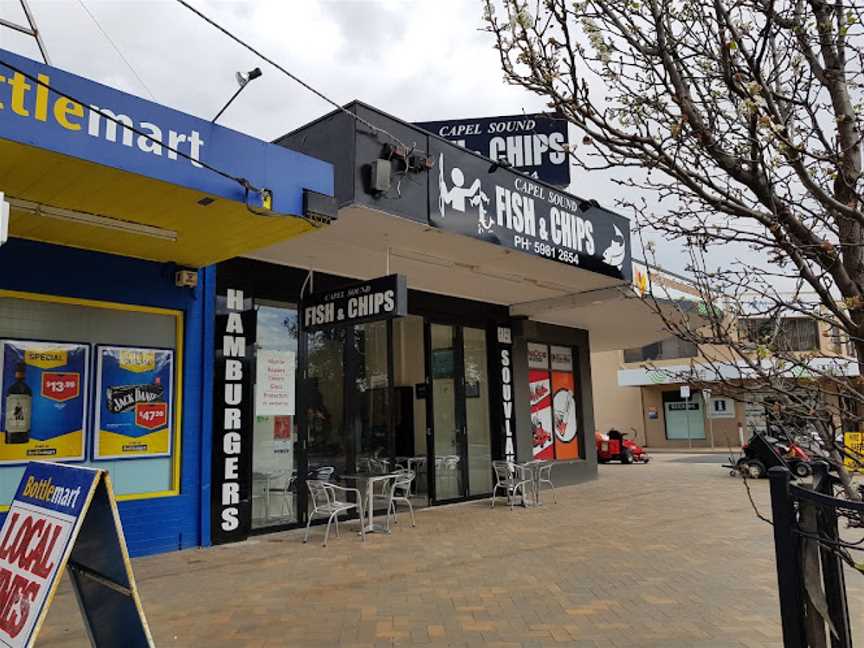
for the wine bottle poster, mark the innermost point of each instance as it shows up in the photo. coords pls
(134, 402)
(43, 401)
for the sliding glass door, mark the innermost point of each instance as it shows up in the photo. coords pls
(460, 450)
(477, 432)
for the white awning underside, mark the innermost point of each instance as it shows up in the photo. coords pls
(364, 243)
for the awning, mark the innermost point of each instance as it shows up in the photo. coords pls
(365, 243)
(88, 166)
(616, 317)
(668, 374)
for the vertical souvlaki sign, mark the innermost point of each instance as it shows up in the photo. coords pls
(505, 359)
(232, 416)
(470, 197)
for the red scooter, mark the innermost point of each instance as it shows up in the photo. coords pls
(614, 447)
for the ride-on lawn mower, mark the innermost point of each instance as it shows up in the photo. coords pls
(762, 452)
(614, 447)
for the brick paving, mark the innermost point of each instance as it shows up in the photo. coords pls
(665, 555)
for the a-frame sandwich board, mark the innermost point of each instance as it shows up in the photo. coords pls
(66, 517)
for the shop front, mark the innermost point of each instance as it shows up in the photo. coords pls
(444, 321)
(106, 322)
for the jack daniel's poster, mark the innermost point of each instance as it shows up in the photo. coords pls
(43, 401)
(134, 410)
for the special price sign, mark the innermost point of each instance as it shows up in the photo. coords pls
(135, 397)
(43, 409)
(35, 542)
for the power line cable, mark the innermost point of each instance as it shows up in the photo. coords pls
(243, 182)
(116, 49)
(295, 78)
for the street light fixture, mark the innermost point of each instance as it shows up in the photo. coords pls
(243, 79)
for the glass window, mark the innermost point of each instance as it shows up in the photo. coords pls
(274, 460)
(668, 349)
(324, 399)
(369, 423)
(409, 411)
(477, 411)
(31, 319)
(448, 449)
(684, 418)
(786, 334)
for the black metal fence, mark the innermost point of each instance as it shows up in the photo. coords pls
(811, 558)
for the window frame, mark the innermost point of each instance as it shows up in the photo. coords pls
(179, 330)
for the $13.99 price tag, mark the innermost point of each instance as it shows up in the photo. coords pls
(61, 386)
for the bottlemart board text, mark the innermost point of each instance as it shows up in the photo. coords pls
(43, 410)
(36, 538)
(65, 518)
(135, 402)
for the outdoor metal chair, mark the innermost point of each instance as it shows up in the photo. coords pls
(544, 476)
(281, 485)
(325, 503)
(512, 478)
(400, 491)
(321, 473)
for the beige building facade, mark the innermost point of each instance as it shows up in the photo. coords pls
(657, 416)
(638, 390)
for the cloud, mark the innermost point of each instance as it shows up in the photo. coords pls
(417, 60)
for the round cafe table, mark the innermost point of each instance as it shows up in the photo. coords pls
(368, 481)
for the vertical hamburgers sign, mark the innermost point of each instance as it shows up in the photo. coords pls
(231, 498)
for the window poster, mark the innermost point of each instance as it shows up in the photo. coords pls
(541, 413)
(274, 383)
(43, 410)
(282, 441)
(564, 419)
(134, 404)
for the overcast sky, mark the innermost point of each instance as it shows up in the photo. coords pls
(416, 59)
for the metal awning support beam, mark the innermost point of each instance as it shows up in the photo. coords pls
(32, 30)
(573, 300)
(16, 27)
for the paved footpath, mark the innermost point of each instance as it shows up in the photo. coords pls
(667, 555)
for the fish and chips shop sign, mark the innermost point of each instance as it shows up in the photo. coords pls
(534, 144)
(512, 210)
(366, 301)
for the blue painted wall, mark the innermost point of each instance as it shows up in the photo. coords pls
(151, 525)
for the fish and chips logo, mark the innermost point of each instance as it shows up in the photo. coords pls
(458, 195)
(617, 250)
